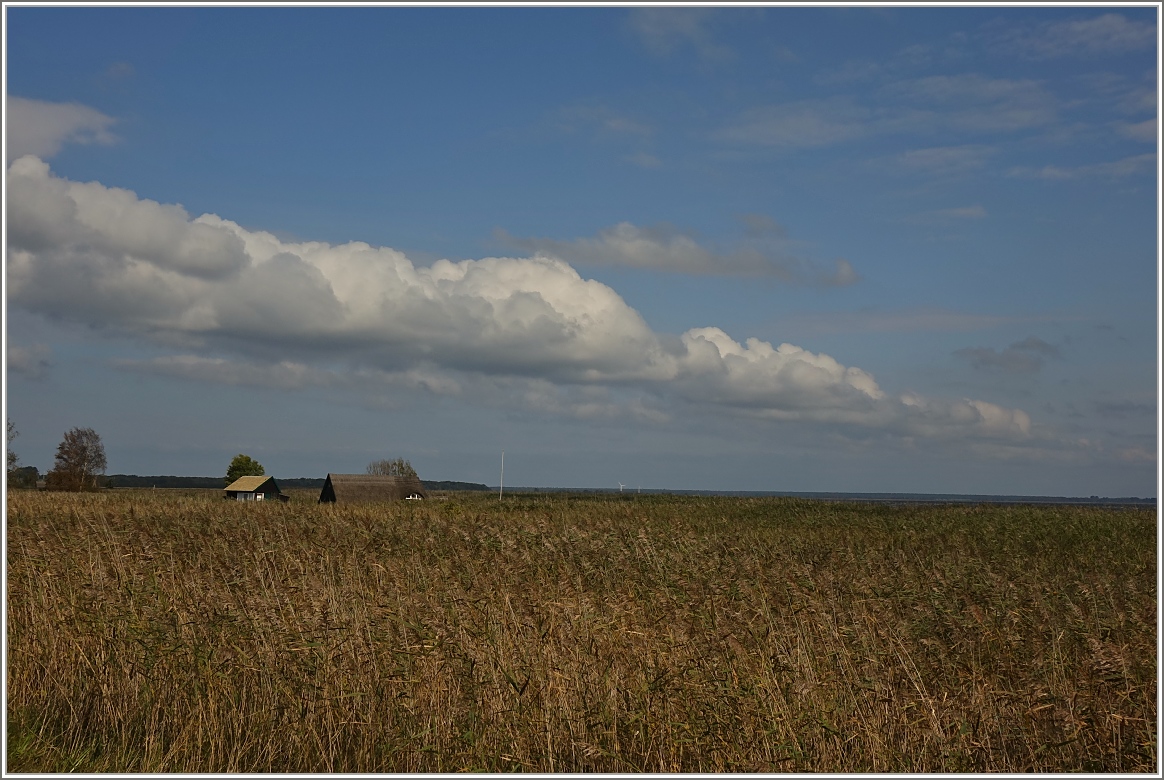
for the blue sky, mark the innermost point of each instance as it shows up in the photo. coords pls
(838, 249)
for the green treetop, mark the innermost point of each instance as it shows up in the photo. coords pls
(244, 466)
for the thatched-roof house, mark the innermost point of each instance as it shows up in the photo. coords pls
(253, 489)
(360, 488)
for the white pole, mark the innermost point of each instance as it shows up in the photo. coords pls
(501, 492)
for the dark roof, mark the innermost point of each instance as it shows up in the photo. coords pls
(353, 488)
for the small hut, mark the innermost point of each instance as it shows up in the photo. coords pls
(363, 488)
(253, 489)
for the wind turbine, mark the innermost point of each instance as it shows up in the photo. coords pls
(620, 487)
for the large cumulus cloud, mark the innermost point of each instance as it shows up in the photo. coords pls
(106, 258)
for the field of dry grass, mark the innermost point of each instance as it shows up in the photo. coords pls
(166, 631)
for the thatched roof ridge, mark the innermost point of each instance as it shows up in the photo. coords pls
(250, 484)
(354, 488)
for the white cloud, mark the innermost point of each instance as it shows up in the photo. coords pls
(790, 383)
(907, 321)
(1136, 455)
(762, 225)
(299, 314)
(930, 417)
(46, 211)
(943, 160)
(1125, 408)
(41, 128)
(800, 125)
(969, 102)
(666, 30)
(1117, 169)
(600, 120)
(659, 248)
(285, 375)
(1139, 131)
(119, 70)
(99, 255)
(293, 375)
(850, 72)
(601, 124)
(588, 403)
(966, 103)
(962, 212)
(785, 381)
(664, 248)
(1107, 34)
(946, 216)
(31, 362)
(644, 160)
(843, 276)
(1107, 92)
(1022, 357)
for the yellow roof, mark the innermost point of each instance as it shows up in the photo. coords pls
(246, 484)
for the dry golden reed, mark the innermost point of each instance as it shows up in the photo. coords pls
(162, 631)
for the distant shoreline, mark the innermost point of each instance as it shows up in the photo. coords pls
(892, 498)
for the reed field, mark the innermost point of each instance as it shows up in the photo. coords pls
(162, 631)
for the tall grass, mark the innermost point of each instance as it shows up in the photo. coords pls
(163, 633)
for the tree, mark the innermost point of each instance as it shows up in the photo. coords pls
(23, 477)
(80, 461)
(391, 468)
(13, 460)
(244, 466)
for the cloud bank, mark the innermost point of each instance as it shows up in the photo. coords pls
(245, 307)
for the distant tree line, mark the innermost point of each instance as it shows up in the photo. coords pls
(301, 483)
(23, 477)
(452, 485)
(80, 465)
(166, 481)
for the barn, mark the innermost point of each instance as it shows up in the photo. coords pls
(254, 489)
(363, 488)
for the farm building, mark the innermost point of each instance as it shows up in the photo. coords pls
(360, 488)
(254, 489)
